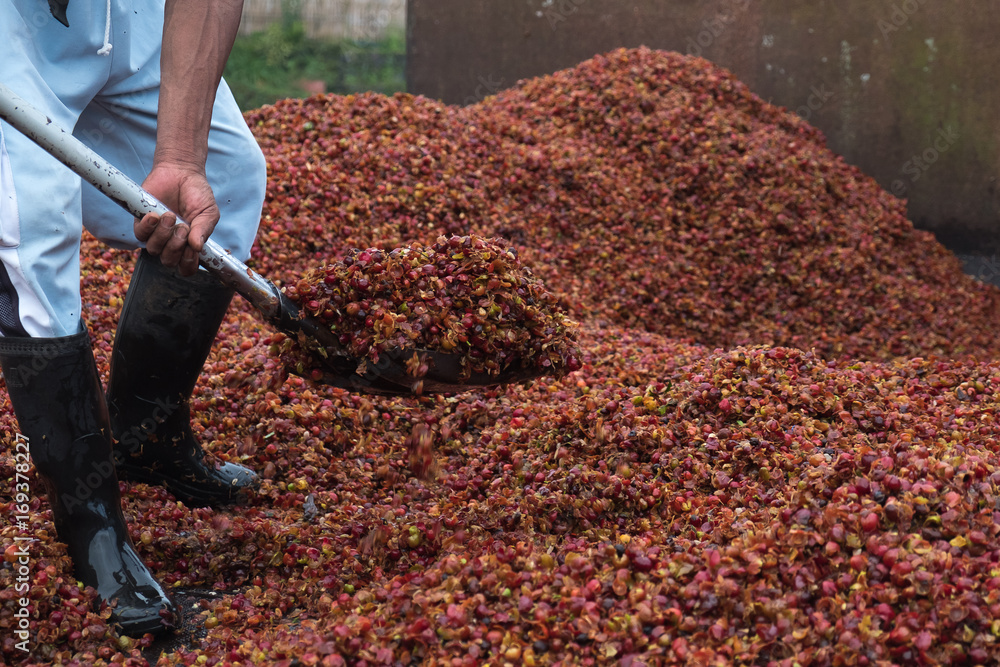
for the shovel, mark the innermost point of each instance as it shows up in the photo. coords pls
(389, 376)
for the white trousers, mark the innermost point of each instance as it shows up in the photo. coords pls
(109, 102)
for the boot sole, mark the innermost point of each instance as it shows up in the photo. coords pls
(135, 629)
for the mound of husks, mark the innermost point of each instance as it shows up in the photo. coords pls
(666, 503)
(464, 296)
(649, 190)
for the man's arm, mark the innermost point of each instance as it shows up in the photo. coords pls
(197, 38)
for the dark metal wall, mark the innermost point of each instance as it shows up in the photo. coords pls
(905, 89)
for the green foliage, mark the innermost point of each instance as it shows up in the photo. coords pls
(269, 65)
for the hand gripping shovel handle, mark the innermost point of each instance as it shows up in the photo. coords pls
(128, 194)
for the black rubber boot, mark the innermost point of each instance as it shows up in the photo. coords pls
(56, 393)
(167, 327)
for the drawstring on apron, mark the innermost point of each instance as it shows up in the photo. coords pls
(106, 49)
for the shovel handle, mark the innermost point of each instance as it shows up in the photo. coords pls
(128, 194)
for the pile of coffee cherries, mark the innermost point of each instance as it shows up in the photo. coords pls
(781, 446)
(463, 296)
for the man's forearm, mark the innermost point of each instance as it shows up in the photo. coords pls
(197, 38)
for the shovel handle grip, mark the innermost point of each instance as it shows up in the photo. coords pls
(128, 194)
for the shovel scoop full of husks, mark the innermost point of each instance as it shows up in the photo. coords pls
(464, 299)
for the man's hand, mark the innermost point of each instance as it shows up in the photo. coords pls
(186, 192)
(197, 39)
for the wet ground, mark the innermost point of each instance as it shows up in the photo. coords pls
(193, 602)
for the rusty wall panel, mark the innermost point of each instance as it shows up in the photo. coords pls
(905, 89)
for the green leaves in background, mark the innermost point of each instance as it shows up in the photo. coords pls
(268, 66)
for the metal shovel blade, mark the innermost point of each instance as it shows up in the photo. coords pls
(390, 374)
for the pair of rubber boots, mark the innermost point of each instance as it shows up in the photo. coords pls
(82, 442)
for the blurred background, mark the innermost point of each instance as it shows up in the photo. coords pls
(296, 48)
(900, 88)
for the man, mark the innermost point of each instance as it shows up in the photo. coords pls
(140, 84)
